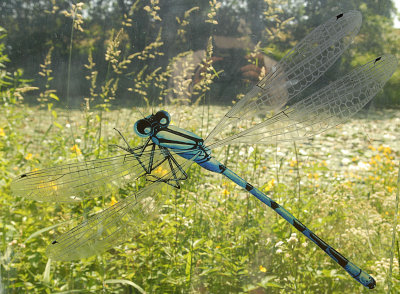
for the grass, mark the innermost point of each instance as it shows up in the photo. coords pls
(209, 236)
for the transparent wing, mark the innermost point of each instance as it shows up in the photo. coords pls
(325, 109)
(72, 182)
(304, 64)
(113, 225)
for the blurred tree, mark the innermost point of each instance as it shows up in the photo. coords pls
(377, 17)
(36, 25)
(375, 37)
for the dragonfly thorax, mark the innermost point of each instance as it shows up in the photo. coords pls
(183, 142)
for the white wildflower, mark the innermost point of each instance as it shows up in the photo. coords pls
(293, 239)
(346, 161)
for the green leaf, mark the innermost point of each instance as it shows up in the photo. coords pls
(58, 125)
(126, 282)
(188, 265)
(273, 285)
(54, 113)
(73, 291)
(37, 233)
(54, 96)
(46, 273)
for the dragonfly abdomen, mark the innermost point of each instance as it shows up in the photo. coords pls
(357, 273)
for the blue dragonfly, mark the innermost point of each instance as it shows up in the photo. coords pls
(273, 111)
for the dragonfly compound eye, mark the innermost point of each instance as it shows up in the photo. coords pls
(143, 128)
(163, 118)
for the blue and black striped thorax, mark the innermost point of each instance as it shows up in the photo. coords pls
(184, 143)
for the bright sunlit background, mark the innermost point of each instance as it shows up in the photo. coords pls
(396, 20)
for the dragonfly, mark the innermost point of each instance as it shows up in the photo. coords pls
(272, 111)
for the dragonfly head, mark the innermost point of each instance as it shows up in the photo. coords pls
(152, 124)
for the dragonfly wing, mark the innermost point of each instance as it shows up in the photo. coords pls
(113, 225)
(325, 109)
(107, 228)
(72, 182)
(304, 64)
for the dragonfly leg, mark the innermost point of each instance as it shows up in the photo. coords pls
(175, 170)
(183, 176)
(128, 148)
(140, 151)
(151, 166)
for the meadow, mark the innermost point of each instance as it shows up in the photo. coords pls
(209, 236)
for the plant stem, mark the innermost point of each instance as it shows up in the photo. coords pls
(396, 212)
(69, 62)
(68, 79)
(297, 177)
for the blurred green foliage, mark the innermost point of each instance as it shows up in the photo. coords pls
(163, 30)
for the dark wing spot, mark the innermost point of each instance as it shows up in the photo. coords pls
(339, 16)
(23, 176)
(379, 58)
(54, 242)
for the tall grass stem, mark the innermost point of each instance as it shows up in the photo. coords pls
(396, 212)
(69, 63)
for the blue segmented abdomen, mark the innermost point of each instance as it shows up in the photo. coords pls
(189, 146)
(357, 273)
